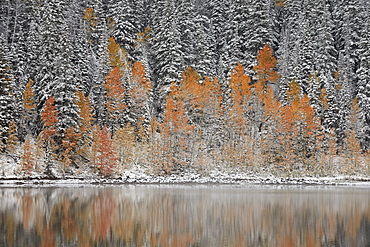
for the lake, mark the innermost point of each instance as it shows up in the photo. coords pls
(185, 215)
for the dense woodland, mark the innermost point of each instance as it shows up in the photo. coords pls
(99, 86)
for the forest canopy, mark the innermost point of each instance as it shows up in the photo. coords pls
(99, 86)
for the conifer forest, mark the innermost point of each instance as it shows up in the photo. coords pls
(97, 87)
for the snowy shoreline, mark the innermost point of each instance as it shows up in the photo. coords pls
(189, 179)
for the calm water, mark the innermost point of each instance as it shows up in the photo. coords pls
(185, 216)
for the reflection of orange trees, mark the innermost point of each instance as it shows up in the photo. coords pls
(167, 220)
(103, 213)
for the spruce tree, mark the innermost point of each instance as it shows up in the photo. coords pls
(8, 109)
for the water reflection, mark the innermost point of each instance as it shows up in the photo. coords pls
(184, 216)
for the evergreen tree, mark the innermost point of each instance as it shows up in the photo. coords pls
(8, 109)
(127, 22)
(363, 74)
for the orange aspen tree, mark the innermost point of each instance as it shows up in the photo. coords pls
(12, 139)
(237, 121)
(118, 56)
(70, 144)
(115, 98)
(265, 68)
(265, 75)
(212, 97)
(272, 117)
(213, 110)
(240, 94)
(86, 112)
(49, 118)
(305, 129)
(191, 93)
(175, 132)
(124, 143)
(140, 94)
(87, 121)
(106, 159)
(27, 159)
(352, 150)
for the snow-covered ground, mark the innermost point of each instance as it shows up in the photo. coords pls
(239, 178)
(10, 175)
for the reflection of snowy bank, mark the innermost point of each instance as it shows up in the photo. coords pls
(238, 179)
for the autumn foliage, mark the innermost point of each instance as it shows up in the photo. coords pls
(265, 69)
(106, 159)
(28, 159)
(49, 118)
(240, 122)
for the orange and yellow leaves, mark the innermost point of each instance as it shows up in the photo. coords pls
(265, 68)
(28, 160)
(28, 97)
(240, 95)
(49, 118)
(115, 93)
(190, 88)
(212, 96)
(86, 112)
(106, 159)
(176, 120)
(70, 143)
(141, 87)
(240, 85)
(90, 16)
(117, 55)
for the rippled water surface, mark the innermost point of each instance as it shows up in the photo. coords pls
(185, 216)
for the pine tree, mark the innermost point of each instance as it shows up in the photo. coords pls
(8, 110)
(363, 73)
(98, 33)
(143, 43)
(127, 23)
(187, 28)
(168, 56)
